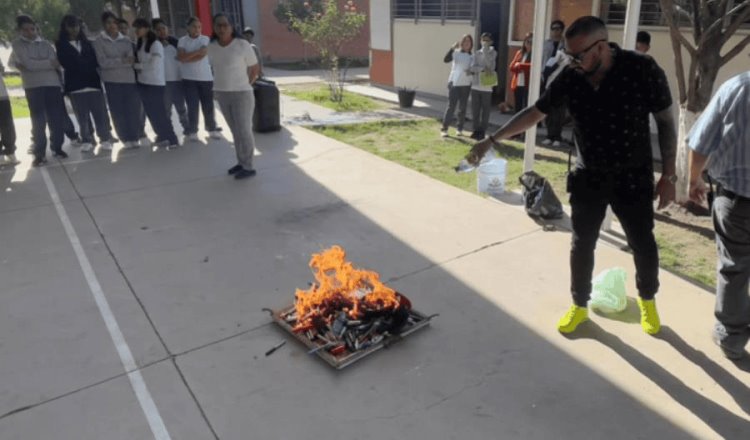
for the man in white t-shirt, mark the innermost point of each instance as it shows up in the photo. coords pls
(197, 80)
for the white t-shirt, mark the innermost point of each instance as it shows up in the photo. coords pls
(230, 65)
(152, 65)
(171, 64)
(197, 70)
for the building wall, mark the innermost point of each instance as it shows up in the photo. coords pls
(277, 43)
(418, 53)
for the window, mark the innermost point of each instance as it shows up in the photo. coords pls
(435, 9)
(613, 12)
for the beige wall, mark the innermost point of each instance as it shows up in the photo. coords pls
(419, 50)
(661, 50)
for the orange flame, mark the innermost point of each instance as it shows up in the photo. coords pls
(340, 286)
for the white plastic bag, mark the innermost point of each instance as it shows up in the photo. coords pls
(608, 291)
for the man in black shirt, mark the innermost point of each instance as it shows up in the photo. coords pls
(609, 92)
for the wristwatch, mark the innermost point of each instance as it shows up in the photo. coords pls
(671, 178)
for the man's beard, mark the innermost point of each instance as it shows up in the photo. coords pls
(589, 73)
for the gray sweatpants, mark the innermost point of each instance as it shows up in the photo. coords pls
(732, 223)
(238, 108)
(480, 109)
(457, 96)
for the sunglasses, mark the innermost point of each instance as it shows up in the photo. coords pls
(578, 58)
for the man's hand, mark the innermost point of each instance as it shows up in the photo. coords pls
(478, 151)
(698, 190)
(665, 191)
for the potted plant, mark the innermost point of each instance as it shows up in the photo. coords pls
(406, 97)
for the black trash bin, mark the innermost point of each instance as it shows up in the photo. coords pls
(267, 115)
(406, 98)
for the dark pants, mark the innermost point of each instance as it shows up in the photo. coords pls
(634, 209)
(125, 106)
(174, 95)
(457, 95)
(481, 102)
(7, 129)
(199, 93)
(47, 107)
(87, 106)
(522, 98)
(555, 121)
(153, 104)
(731, 218)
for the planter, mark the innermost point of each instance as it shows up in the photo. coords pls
(406, 98)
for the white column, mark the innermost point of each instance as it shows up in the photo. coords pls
(540, 24)
(632, 16)
(154, 8)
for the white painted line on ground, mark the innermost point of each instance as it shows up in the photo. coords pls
(123, 350)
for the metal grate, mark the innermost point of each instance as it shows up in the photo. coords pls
(435, 9)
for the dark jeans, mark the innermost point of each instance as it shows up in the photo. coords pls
(153, 104)
(7, 129)
(125, 106)
(174, 95)
(481, 102)
(632, 201)
(88, 105)
(47, 107)
(731, 218)
(522, 98)
(199, 93)
(456, 95)
(555, 121)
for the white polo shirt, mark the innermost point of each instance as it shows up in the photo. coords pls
(171, 64)
(152, 65)
(230, 65)
(197, 70)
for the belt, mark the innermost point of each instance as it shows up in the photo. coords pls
(721, 191)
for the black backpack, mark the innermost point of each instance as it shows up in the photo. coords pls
(539, 198)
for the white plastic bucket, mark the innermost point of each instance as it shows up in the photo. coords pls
(491, 177)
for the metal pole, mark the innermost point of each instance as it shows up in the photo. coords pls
(540, 21)
(154, 8)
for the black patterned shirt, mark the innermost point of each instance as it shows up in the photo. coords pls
(611, 124)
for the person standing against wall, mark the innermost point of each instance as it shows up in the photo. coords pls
(197, 80)
(520, 69)
(484, 63)
(554, 59)
(459, 83)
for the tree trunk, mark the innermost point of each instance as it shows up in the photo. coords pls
(686, 122)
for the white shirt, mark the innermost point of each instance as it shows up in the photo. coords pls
(230, 65)
(152, 65)
(197, 70)
(461, 64)
(171, 64)
(76, 44)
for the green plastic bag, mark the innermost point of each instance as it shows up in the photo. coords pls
(608, 291)
(488, 79)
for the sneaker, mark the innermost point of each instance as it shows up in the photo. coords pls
(649, 316)
(191, 138)
(144, 142)
(130, 145)
(460, 133)
(38, 161)
(107, 145)
(572, 319)
(173, 147)
(87, 147)
(444, 133)
(556, 144)
(214, 134)
(547, 141)
(76, 142)
(60, 154)
(11, 160)
(244, 174)
(731, 344)
(234, 170)
(162, 144)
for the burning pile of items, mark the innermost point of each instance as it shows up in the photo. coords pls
(347, 312)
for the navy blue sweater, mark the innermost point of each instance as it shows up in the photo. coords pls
(80, 68)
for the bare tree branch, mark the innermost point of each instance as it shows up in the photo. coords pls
(738, 20)
(669, 7)
(735, 50)
(697, 34)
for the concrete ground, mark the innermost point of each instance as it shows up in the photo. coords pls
(132, 288)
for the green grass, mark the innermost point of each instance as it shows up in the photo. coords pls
(417, 145)
(19, 107)
(12, 81)
(352, 102)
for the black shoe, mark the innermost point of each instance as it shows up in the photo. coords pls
(38, 161)
(60, 154)
(244, 174)
(234, 170)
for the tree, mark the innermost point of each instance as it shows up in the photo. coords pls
(299, 9)
(47, 14)
(328, 31)
(713, 23)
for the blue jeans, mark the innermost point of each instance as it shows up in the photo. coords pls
(153, 104)
(47, 107)
(125, 106)
(199, 93)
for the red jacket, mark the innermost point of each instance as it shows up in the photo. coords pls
(516, 67)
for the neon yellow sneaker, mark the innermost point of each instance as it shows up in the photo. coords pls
(649, 316)
(572, 318)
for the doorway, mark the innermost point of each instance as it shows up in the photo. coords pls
(494, 18)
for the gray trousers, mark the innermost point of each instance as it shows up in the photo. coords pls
(480, 110)
(125, 107)
(47, 107)
(457, 95)
(238, 108)
(732, 224)
(174, 95)
(87, 105)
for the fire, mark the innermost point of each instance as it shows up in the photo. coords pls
(340, 286)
